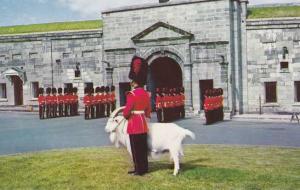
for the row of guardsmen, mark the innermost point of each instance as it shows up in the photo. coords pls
(213, 105)
(54, 105)
(99, 102)
(170, 104)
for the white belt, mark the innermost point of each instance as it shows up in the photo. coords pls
(137, 112)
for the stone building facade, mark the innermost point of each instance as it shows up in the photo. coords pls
(197, 44)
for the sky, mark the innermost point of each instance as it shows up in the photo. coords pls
(19, 12)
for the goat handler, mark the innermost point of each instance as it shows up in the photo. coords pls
(136, 110)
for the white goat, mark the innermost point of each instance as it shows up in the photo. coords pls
(162, 137)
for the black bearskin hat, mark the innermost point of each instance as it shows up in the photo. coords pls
(138, 70)
(107, 89)
(59, 90)
(48, 90)
(65, 90)
(75, 90)
(97, 89)
(102, 89)
(53, 90)
(41, 91)
(92, 90)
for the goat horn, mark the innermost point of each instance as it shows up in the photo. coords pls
(116, 112)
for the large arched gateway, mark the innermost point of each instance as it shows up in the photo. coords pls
(164, 72)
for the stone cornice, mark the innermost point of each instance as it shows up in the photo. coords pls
(57, 35)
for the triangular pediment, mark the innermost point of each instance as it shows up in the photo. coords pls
(161, 31)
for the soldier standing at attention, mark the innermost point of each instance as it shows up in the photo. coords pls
(158, 105)
(60, 99)
(66, 101)
(98, 101)
(54, 103)
(41, 100)
(93, 103)
(102, 102)
(48, 102)
(163, 104)
(136, 110)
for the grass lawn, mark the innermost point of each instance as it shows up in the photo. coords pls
(204, 167)
(274, 12)
(48, 27)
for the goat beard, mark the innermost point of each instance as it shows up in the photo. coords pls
(113, 139)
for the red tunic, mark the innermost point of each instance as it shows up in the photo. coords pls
(60, 99)
(136, 110)
(87, 100)
(98, 98)
(48, 99)
(54, 99)
(41, 100)
(158, 102)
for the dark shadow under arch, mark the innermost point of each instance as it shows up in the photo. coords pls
(164, 72)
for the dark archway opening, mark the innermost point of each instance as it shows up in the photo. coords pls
(18, 90)
(164, 72)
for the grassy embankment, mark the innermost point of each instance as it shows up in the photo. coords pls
(273, 12)
(50, 27)
(204, 167)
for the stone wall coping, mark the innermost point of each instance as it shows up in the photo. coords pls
(65, 33)
(154, 5)
(273, 23)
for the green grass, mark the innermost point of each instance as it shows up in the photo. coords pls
(48, 27)
(274, 12)
(204, 167)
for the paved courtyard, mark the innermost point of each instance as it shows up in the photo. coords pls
(24, 132)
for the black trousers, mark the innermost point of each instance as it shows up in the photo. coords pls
(48, 111)
(66, 109)
(98, 110)
(54, 110)
(42, 111)
(107, 109)
(159, 115)
(87, 112)
(113, 106)
(139, 149)
(60, 109)
(102, 110)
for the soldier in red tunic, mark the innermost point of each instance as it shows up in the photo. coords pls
(54, 103)
(41, 100)
(66, 102)
(48, 102)
(97, 101)
(60, 99)
(102, 101)
(158, 104)
(136, 110)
